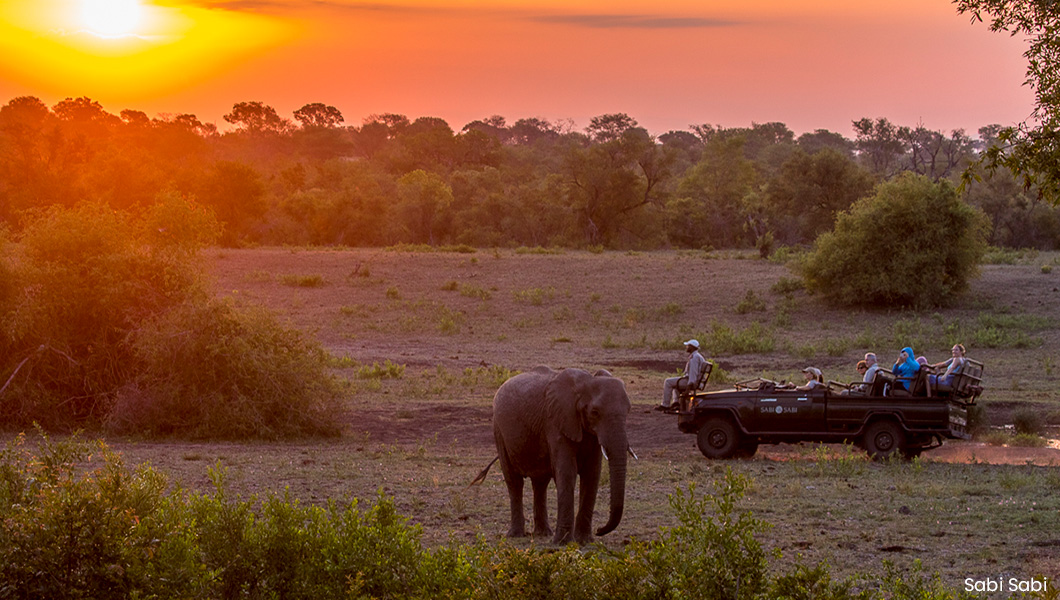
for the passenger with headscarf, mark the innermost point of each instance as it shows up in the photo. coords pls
(906, 367)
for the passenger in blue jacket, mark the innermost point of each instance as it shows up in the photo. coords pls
(906, 367)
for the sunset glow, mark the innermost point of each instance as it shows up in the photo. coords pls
(811, 63)
(111, 18)
(125, 48)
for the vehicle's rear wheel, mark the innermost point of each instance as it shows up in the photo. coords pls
(883, 439)
(718, 438)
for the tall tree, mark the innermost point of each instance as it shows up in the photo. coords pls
(318, 115)
(934, 154)
(609, 182)
(811, 189)
(1030, 150)
(708, 208)
(879, 145)
(257, 118)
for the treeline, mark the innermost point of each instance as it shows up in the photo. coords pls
(314, 180)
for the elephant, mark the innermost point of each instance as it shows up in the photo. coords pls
(553, 425)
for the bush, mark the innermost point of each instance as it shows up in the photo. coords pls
(84, 279)
(82, 525)
(210, 370)
(106, 320)
(913, 243)
(1028, 421)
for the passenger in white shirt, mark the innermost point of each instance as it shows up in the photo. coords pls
(688, 380)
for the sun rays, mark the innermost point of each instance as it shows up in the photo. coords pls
(111, 18)
(125, 49)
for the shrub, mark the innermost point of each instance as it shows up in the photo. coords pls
(723, 339)
(1028, 440)
(750, 303)
(210, 370)
(913, 243)
(81, 281)
(787, 286)
(82, 525)
(978, 419)
(720, 557)
(114, 324)
(1028, 421)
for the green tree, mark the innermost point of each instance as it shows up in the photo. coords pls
(820, 139)
(934, 154)
(880, 146)
(318, 115)
(425, 203)
(236, 194)
(610, 185)
(707, 209)
(1030, 150)
(913, 243)
(257, 118)
(810, 190)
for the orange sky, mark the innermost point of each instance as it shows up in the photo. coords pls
(668, 63)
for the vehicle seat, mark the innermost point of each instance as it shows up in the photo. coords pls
(883, 380)
(966, 384)
(704, 374)
(918, 386)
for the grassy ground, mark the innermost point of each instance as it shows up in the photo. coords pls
(453, 326)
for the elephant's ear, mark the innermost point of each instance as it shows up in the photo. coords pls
(564, 395)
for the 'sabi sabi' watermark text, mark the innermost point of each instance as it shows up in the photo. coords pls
(1009, 585)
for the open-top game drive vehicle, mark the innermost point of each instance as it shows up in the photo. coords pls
(882, 418)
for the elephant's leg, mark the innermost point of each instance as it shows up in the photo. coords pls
(566, 477)
(515, 499)
(541, 526)
(589, 471)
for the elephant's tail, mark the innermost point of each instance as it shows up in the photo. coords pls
(482, 476)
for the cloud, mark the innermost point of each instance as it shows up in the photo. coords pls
(587, 20)
(302, 5)
(594, 21)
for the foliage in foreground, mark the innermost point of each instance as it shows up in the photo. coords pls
(913, 243)
(105, 320)
(77, 528)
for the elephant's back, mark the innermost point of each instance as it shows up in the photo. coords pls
(520, 393)
(519, 407)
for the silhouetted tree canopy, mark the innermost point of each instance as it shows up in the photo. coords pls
(494, 181)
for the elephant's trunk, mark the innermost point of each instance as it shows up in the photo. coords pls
(616, 450)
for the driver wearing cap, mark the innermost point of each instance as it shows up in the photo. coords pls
(689, 379)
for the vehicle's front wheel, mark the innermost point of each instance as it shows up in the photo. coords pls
(883, 439)
(718, 438)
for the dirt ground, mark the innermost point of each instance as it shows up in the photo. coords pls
(459, 323)
(610, 311)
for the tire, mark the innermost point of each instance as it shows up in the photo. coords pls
(718, 438)
(883, 439)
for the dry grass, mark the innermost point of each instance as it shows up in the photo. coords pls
(422, 437)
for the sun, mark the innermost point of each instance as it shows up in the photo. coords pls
(111, 18)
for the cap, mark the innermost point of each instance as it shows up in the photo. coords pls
(812, 370)
(693, 343)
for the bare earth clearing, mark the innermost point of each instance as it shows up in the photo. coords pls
(461, 322)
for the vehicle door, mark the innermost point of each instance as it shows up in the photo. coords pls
(790, 410)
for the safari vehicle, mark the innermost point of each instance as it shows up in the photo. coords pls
(882, 418)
